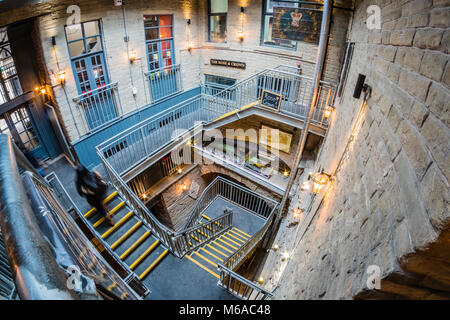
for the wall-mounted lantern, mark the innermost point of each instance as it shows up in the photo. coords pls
(133, 56)
(328, 111)
(62, 78)
(320, 180)
(241, 33)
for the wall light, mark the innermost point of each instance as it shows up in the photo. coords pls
(41, 89)
(320, 180)
(276, 247)
(62, 78)
(133, 56)
(241, 33)
(296, 213)
(306, 185)
(144, 196)
(261, 280)
(180, 171)
(286, 173)
(328, 111)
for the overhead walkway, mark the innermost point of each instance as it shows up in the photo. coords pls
(135, 149)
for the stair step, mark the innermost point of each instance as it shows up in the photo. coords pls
(209, 253)
(222, 241)
(232, 236)
(110, 214)
(202, 266)
(237, 234)
(221, 253)
(126, 235)
(153, 265)
(117, 225)
(242, 232)
(205, 259)
(134, 245)
(107, 199)
(222, 247)
(144, 255)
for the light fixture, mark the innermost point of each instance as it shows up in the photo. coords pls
(306, 185)
(276, 247)
(241, 34)
(41, 89)
(284, 256)
(328, 111)
(189, 142)
(62, 77)
(144, 196)
(133, 56)
(184, 187)
(180, 171)
(320, 180)
(190, 46)
(261, 280)
(286, 173)
(296, 213)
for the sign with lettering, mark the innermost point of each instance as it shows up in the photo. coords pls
(226, 63)
(296, 24)
(271, 100)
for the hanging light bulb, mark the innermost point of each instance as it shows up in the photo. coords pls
(180, 171)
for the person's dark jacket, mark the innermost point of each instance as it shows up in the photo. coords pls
(90, 185)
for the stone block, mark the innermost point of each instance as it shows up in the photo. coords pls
(402, 37)
(414, 148)
(440, 18)
(433, 64)
(437, 138)
(438, 102)
(428, 38)
(415, 84)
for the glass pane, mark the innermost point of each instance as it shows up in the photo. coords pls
(76, 48)
(150, 21)
(268, 22)
(270, 4)
(4, 129)
(165, 21)
(91, 28)
(218, 28)
(165, 32)
(219, 6)
(73, 32)
(151, 34)
(94, 44)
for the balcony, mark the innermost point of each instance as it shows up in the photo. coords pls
(98, 107)
(164, 82)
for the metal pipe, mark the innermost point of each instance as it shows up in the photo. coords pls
(321, 54)
(35, 271)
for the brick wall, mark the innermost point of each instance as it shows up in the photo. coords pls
(390, 197)
(53, 17)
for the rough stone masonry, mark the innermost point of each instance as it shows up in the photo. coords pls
(389, 203)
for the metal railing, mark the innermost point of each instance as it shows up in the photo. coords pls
(7, 287)
(164, 82)
(241, 287)
(196, 236)
(99, 106)
(132, 146)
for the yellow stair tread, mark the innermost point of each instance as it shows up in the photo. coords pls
(206, 259)
(117, 225)
(144, 255)
(202, 266)
(239, 235)
(107, 199)
(230, 245)
(212, 254)
(245, 234)
(217, 250)
(135, 245)
(232, 241)
(233, 236)
(126, 235)
(153, 265)
(221, 246)
(110, 214)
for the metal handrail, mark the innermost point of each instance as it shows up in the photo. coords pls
(112, 85)
(240, 286)
(36, 273)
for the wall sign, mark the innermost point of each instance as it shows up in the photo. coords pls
(296, 24)
(271, 100)
(227, 63)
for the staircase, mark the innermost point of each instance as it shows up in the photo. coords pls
(129, 238)
(215, 252)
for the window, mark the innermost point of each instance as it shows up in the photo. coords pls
(159, 41)
(215, 84)
(266, 37)
(84, 38)
(345, 68)
(9, 81)
(217, 17)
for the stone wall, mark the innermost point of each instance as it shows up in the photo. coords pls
(389, 200)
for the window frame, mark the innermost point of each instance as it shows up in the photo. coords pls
(209, 22)
(84, 38)
(263, 19)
